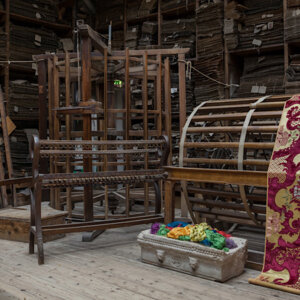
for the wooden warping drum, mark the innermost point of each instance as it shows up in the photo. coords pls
(234, 134)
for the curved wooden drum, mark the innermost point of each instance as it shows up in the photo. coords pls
(236, 134)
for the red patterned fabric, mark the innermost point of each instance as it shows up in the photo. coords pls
(282, 249)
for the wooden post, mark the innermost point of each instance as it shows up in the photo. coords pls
(68, 128)
(125, 25)
(158, 94)
(128, 123)
(169, 205)
(168, 112)
(145, 123)
(86, 95)
(105, 90)
(56, 123)
(159, 23)
(51, 121)
(182, 114)
(42, 82)
(226, 62)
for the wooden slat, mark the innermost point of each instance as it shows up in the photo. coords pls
(218, 129)
(237, 116)
(217, 161)
(204, 145)
(256, 178)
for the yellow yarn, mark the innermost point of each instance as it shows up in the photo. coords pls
(197, 233)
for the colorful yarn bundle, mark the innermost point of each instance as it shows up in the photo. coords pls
(199, 233)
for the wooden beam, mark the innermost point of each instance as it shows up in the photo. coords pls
(256, 178)
(87, 32)
(86, 95)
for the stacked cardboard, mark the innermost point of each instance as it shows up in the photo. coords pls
(26, 41)
(19, 145)
(254, 24)
(179, 33)
(108, 11)
(117, 41)
(170, 4)
(36, 9)
(293, 75)
(147, 7)
(23, 101)
(292, 26)
(210, 49)
(132, 37)
(149, 35)
(262, 75)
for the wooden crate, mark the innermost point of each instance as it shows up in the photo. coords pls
(15, 222)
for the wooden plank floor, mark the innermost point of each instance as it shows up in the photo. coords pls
(109, 268)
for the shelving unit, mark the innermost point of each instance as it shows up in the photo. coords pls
(19, 111)
(234, 57)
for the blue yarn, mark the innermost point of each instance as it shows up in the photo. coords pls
(177, 223)
(206, 242)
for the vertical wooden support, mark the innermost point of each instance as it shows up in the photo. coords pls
(7, 48)
(158, 95)
(182, 114)
(51, 121)
(68, 128)
(168, 112)
(86, 95)
(128, 123)
(169, 205)
(7, 146)
(125, 25)
(50, 98)
(196, 27)
(159, 22)
(226, 62)
(56, 123)
(105, 90)
(182, 90)
(42, 82)
(43, 125)
(145, 123)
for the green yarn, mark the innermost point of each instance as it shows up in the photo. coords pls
(226, 249)
(163, 231)
(217, 240)
(184, 238)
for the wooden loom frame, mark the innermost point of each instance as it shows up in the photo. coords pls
(52, 67)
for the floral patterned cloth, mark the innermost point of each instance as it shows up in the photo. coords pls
(282, 249)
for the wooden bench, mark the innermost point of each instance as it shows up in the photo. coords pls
(115, 162)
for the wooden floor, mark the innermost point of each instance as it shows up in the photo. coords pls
(109, 268)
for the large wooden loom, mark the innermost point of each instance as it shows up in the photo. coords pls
(225, 149)
(94, 72)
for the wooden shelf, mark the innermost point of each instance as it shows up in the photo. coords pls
(255, 50)
(54, 26)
